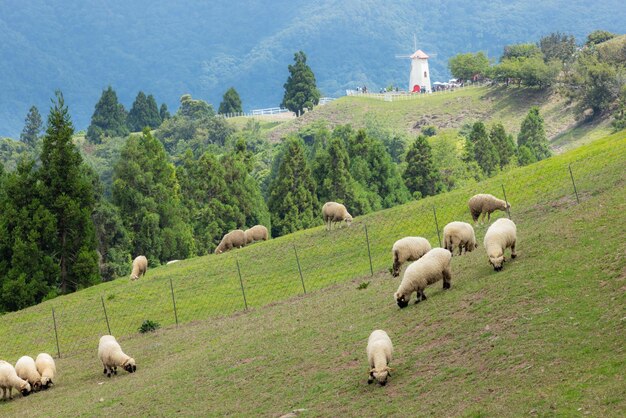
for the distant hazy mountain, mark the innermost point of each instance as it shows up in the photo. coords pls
(168, 48)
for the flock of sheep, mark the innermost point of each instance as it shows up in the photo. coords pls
(429, 265)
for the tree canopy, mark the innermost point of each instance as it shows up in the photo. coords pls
(300, 89)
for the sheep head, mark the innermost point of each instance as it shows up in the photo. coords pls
(380, 375)
(401, 300)
(46, 382)
(25, 389)
(348, 219)
(129, 365)
(37, 386)
(497, 261)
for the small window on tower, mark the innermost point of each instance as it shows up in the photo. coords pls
(425, 74)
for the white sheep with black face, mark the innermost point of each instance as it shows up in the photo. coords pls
(112, 356)
(432, 267)
(335, 212)
(461, 235)
(379, 355)
(9, 380)
(486, 204)
(502, 234)
(408, 249)
(26, 369)
(46, 367)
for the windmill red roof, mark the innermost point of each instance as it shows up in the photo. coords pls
(419, 54)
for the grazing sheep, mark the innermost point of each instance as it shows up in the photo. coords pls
(379, 352)
(140, 266)
(256, 233)
(335, 212)
(501, 235)
(432, 267)
(459, 234)
(112, 356)
(47, 369)
(9, 380)
(234, 239)
(408, 249)
(26, 369)
(486, 203)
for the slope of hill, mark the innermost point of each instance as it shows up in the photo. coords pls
(545, 336)
(203, 48)
(453, 109)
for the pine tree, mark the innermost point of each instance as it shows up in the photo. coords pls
(485, 152)
(532, 135)
(292, 201)
(68, 194)
(231, 102)
(109, 118)
(144, 112)
(28, 272)
(32, 127)
(372, 167)
(164, 113)
(334, 180)
(147, 193)
(300, 89)
(421, 176)
(154, 119)
(505, 147)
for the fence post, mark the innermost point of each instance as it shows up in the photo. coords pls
(437, 225)
(299, 269)
(56, 335)
(245, 302)
(174, 302)
(105, 314)
(508, 210)
(369, 254)
(573, 182)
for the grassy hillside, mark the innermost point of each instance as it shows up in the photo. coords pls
(453, 109)
(545, 335)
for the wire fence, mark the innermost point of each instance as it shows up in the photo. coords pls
(307, 261)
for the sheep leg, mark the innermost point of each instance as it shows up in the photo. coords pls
(447, 278)
(513, 253)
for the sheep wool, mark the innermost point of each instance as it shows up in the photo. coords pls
(461, 235)
(502, 234)
(408, 249)
(9, 380)
(486, 204)
(432, 267)
(46, 367)
(256, 233)
(379, 354)
(26, 369)
(233, 239)
(112, 356)
(140, 267)
(333, 212)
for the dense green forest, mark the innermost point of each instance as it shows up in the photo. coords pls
(77, 207)
(204, 48)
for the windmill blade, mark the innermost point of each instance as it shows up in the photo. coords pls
(403, 56)
(431, 55)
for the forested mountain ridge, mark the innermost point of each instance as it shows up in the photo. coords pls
(172, 48)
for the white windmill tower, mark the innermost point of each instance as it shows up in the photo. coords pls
(419, 79)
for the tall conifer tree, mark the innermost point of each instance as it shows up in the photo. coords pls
(108, 119)
(68, 194)
(421, 176)
(505, 147)
(292, 201)
(32, 127)
(485, 152)
(300, 89)
(532, 135)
